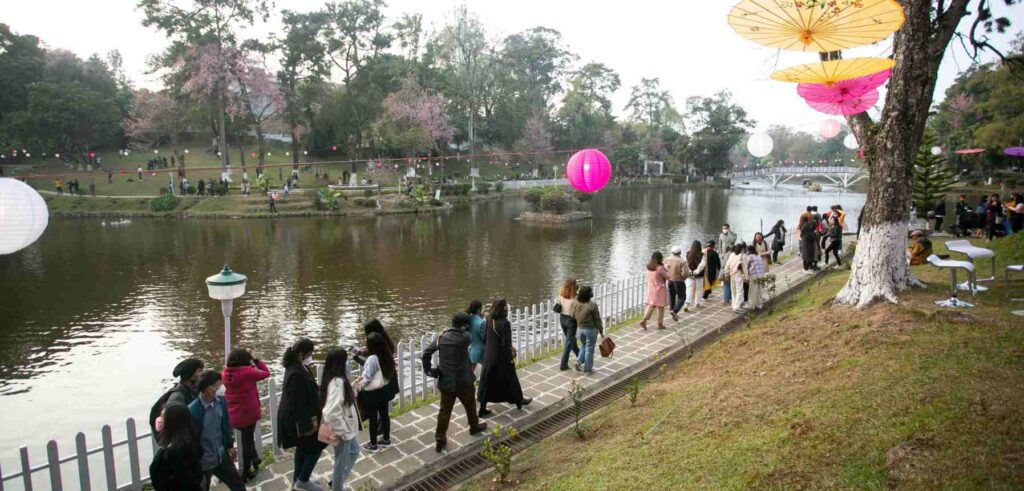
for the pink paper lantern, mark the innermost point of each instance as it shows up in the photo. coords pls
(588, 170)
(829, 128)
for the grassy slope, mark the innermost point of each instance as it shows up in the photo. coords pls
(816, 396)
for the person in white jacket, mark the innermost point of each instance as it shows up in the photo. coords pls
(341, 415)
(696, 260)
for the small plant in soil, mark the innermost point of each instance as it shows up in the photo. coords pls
(633, 390)
(576, 394)
(498, 453)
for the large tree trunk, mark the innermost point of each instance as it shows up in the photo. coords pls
(295, 143)
(880, 268)
(222, 133)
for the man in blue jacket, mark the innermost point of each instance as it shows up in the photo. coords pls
(210, 417)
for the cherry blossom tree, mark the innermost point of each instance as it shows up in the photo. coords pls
(260, 101)
(156, 118)
(210, 72)
(414, 121)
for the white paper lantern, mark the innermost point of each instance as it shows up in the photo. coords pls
(23, 215)
(829, 128)
(936, 151)
(760, 145)
(851, 142)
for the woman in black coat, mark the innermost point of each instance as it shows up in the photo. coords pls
(778, 235)
(175, 465)
(498, 379)
(298, 418)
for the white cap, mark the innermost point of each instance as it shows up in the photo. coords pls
(677, 250)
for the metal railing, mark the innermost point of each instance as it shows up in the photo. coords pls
(799, 171)
(535, 183)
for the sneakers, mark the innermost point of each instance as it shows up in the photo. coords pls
(306, 486)
(370, 447)
(578, 367)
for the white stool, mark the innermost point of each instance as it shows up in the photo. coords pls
(1014, 268)
(972, 252)
(952, 266)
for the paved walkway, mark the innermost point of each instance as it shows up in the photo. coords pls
(413, 432)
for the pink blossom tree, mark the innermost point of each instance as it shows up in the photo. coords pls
(535, 140)
(210, 71)
(260, 101)
(414, 121)
(156, 118)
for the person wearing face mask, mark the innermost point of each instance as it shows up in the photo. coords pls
(243, 397)
(183, 392)
(299, 415)
(210, 419)
(727, 239)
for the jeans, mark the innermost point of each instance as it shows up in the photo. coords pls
(466, 396)
(380, 421)
(569, 344)
(694, 291)
(305, 461)
(588, 339)
(726, 290)
(676, 301)
(226, 472)
(345, 455)
(248, 443)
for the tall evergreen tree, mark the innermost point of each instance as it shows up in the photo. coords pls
(932, 177)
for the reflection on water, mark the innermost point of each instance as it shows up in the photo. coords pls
(93, 318)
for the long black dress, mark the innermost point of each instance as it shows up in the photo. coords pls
(498, 379)
(298, 418)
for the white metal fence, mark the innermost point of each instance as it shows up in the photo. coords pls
(535, 183)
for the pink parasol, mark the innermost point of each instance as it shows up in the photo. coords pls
(844, 89)
(969, 151)
(1014, 151)
(848, 106)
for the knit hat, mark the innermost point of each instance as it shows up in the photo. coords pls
(916, 233)
(677, 250)
(207, 379)
(186, 368)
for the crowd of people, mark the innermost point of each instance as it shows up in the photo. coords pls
(992, 216)
(194, 422)
(819, 235)
(74, 187)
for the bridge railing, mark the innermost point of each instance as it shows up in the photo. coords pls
(799, 171)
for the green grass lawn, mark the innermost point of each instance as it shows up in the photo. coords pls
(205, 166)
(818, 396)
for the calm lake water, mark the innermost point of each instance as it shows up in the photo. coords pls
(93, 317)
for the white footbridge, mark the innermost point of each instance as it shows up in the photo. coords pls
(843, 177)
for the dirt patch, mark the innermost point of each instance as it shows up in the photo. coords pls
(901, 461)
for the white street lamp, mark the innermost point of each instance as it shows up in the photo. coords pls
(226, 286)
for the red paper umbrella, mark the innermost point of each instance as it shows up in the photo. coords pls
(969, 151)
(844, 89)
(847, 106)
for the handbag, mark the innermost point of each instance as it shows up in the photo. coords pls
(325, 435)
(607, 346)
(377, 382)
(557, 308)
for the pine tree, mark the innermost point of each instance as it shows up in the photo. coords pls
(932, 177)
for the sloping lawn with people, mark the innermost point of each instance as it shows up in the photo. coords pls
(817, 396)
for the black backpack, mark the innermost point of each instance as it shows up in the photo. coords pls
(158, 406)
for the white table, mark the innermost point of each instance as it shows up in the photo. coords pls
(953, 266)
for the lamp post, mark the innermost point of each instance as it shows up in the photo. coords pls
(226, 286)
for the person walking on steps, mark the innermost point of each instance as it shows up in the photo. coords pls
(340, 415)
(210, 418)
(566, 301)
(498, 379)
(678, 272)
(240, 376)
(589, 328)
(657, 294)
(299, 416)
(455, 378)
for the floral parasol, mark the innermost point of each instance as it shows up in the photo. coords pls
(816, 26)
(843, 89)
(847, 106)
(831, 72)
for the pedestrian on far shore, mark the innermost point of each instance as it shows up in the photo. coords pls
(566, 302)
(210, 418)
(657, 293)
(243, 398)
(175, 466)
(498, 379)
(589, 327)
(59, 187)
(299, 415)
(678, 272)
(697, 262)
(455, 378)
(476, 333)
(270, 199)
(340, 415)
(92, 188)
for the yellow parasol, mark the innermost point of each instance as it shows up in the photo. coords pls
(830, 72)
(837, 25)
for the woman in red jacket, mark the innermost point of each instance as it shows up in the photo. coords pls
(243, 398)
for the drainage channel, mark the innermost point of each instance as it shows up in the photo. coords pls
(461, 469)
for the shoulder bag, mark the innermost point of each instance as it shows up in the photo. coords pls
(607, 346)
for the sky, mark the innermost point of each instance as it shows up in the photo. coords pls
(688, 44)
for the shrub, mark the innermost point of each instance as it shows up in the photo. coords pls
(583, 197)
(555, 201)
(163, 191)
(365, 202)
(677, 179)
(533, 197)
(191, 191)
(497, 453)
(436, 202)
(165, 202)
(576, 394)
(326, 199)
(1010, 183)
(367, 193)
(499, 186)
(483, 187)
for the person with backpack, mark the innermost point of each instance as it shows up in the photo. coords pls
(183, 392)
(340, 416)
(454, 374)
(243, 398)
(175, 465)
(210, 419)
(299, 416)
